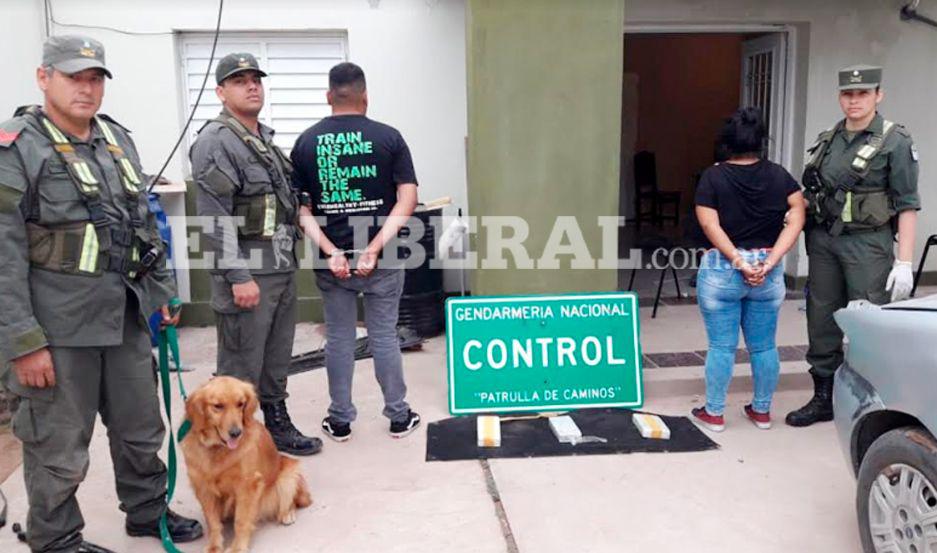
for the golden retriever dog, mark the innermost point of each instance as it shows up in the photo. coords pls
(236, 471)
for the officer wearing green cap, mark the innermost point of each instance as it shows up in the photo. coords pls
(244, 184)
(861, 187)
(83, 268)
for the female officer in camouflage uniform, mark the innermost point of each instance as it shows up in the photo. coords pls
(861, 186)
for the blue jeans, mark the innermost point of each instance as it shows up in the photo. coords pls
(728, 303)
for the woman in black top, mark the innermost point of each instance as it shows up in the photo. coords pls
(751, 211)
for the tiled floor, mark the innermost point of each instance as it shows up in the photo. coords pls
(698, 357)
(11, 452)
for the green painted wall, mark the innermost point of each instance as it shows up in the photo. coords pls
(544, 109)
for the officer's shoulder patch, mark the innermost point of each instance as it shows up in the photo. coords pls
(220, 127)
(903, 139)
(110, 119)
(10, 130)
(211, 128)
(823, 136)
(903, 131)
(204, 125)
(28, 109)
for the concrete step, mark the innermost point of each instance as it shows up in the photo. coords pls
(690, 381)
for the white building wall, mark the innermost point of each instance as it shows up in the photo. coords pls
(412, 51)
(842, 33)
(21, 23)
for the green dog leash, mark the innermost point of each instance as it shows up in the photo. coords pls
(169, 342)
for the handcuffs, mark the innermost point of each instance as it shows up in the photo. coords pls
(350, 255)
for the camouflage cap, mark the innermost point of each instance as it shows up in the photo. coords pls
(232, 64)
(860, 77)
(73, 53)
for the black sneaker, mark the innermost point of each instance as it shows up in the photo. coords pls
(406, 426)
(338, 431)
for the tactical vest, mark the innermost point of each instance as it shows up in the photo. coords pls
(263, 212)
(848, 205)
(95, 245)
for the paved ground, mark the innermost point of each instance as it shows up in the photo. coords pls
(11, 453)
(783, 490)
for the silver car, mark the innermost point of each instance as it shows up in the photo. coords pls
(885, 405)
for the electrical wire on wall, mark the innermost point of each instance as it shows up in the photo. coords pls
(201, 90)
(51, 20)
(50, 15)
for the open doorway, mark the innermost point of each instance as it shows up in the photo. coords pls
(677, 89)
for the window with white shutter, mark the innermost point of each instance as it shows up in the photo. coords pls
(298, 77)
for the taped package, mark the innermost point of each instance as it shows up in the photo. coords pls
(489, 431)
(651, 426)
(565, 429)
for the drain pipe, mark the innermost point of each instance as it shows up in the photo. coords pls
(909, 12)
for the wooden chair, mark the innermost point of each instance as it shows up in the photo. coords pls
(647, 191)
(649, 245)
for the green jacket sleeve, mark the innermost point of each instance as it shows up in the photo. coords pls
(903, 173)
(217, 181)
(159, 284)
(20, 333)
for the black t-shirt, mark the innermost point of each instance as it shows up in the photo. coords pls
(751, 201)
(351, 167)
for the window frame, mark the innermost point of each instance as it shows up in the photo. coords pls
(185, 39)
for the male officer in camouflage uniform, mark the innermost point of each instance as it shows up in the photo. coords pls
(244, 183)
(83, 268)
(861, 186)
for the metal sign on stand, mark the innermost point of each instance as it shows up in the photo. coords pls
(543, 353)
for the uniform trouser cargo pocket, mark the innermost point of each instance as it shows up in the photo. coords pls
(24, 422)
(222, 296)
(229, 331)
(33, 402)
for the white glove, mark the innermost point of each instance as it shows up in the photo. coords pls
(900, 281)
(450, 237)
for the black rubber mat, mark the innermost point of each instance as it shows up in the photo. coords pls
(315, 359)
(455, 439)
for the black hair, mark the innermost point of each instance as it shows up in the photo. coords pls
(744, 132)
(346, 81)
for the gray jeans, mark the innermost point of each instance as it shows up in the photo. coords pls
(381, 303)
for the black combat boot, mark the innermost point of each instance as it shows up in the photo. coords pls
(285, 436)
(820, 406)
(181, 529)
